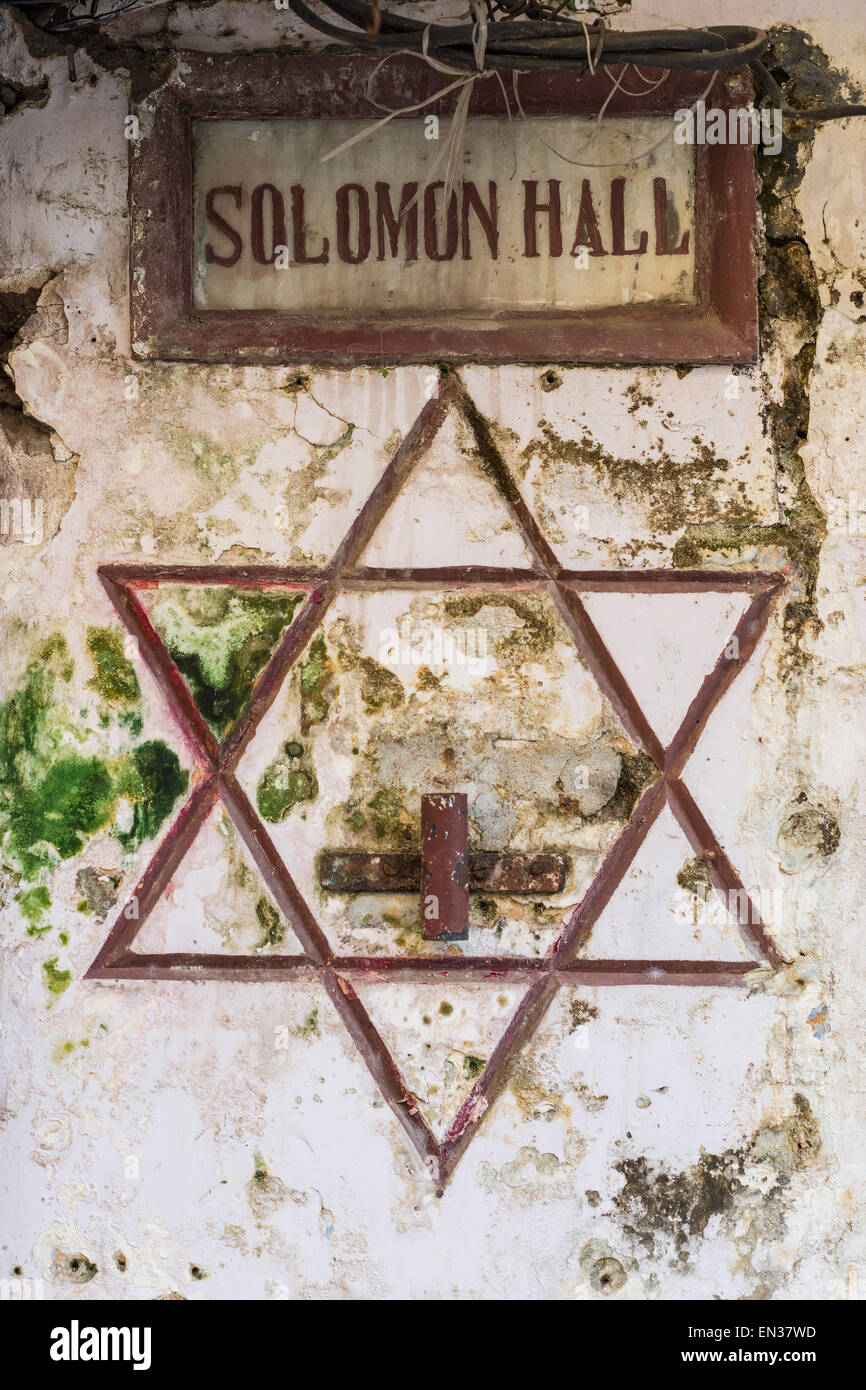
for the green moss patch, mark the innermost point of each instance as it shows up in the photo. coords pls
(34, 903)
(272, 925)
(54, 815)
(220, 639)
(315, 673)
(114, 680)
(53, 797)
(56, 981)
(288, 780)
(153, 780)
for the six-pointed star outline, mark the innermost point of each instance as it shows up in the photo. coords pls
(216, 780)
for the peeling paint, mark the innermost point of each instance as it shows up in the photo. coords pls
(645, 1145)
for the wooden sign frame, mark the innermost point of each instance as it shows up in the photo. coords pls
(166, 324)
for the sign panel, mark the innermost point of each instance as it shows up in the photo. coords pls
(367, 232)
(263, 229)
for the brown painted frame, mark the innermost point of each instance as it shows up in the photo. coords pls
(721, 327)
(216, 779)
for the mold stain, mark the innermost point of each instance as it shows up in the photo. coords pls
(808, 834)
(663, 1210)
(535, 1100)
(272, 925)
(607, 1276)
(287, 781)
(33, 904)
(66, 1048)
(153, 780)
(57, 981)
(212, 464)
(581, 1012)
(52, 817)
(790, 316)
(73, 1269)
(98, 889)
(220, 638)
(314, 679)
(695, 878)
(291, 777)
(265, 1192)
(381, 689)
(532, 637)
(114, 680)
(56, 791)
(671, 490)
(390, 817)
(309, 1029)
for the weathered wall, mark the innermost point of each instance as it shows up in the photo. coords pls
(224, 1140)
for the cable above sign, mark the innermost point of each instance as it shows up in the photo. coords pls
(553, 236)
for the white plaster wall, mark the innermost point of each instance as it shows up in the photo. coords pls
(186, 1079)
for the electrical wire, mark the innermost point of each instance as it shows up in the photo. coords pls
(521, 36)
(64, 18)
(546, 41)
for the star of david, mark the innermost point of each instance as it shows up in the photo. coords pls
(216, 780)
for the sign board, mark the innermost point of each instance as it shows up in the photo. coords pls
(262, 230)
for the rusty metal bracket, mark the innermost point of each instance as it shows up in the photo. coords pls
(446, 871)
(354, 871)
(444, 846)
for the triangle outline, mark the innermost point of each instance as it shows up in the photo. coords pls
(471, 1107)
(136, 591)
(731, 636)
(401, 519)
(211, 836)
(608, 919)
